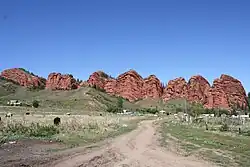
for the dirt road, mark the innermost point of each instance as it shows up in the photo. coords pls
(138, 148)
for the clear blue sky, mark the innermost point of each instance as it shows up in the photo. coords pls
(168, 38)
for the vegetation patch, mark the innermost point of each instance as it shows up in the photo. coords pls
(72, 131)
(218, 147)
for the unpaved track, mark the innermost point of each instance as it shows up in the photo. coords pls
(138, 148)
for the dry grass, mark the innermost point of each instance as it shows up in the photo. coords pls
(222, 148)
(73, 130)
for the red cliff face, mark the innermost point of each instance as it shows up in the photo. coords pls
(57, 81)
(129, 85)
(175, 89)
(227, 92)
(23, 78)
(152, 87)
(198, 90)
(98, 79)
(110, 86)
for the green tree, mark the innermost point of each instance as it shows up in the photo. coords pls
(248, 95)
(120, 102)
(35, 103)
(196, 109)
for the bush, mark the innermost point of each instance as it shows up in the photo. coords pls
(113, 109)
(119, 102)
(148, 110)
(34, 130)
(224, 127)
(35, 104)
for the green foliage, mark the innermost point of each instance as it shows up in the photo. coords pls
(113, 109)
(35, 103)
(196, 109)
(104, 75)
(148, 110)
(119, 102)
(98, 88)
(224, 128)
(34, 130)
(178, 109)
(248, 95)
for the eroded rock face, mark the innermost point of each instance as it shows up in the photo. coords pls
(83, 84)
(98, 79)
(23, 78)
(110, 86)
(58, 81)
(227, 92)
(129, 85)
(198, 90)
(152, 87)
(175, 89)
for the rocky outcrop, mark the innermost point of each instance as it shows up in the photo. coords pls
(227, 92)
(198, 90)
(58, 81)
(83, 84)
(24, 78)
(110, 86)
(98, 79)
(152, 87)
(129, 85)
(175, 89)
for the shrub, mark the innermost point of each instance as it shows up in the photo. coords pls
(34, 130)
(224, 127)
(119, 102)
(35, 104)
(113, 109)
(178, 109)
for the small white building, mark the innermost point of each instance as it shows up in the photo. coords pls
(162, 112)
(14, 103)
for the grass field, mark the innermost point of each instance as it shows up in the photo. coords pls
(223, 148)
(74, 130)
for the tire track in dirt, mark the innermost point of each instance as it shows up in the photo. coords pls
(138, 148)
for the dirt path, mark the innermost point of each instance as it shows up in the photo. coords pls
(138, 148)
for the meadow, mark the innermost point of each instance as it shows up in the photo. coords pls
(220, 141)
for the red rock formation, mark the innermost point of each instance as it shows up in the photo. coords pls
(198, 90)
(129, 85)
(152, 87)
(175, 89)
(23, 78)
(83, 84)
(57, 81)
(98, 79)
(110, 86)
(226, 92)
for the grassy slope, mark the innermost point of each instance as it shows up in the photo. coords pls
(218, 147)
(85, 98)
(7, 88)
